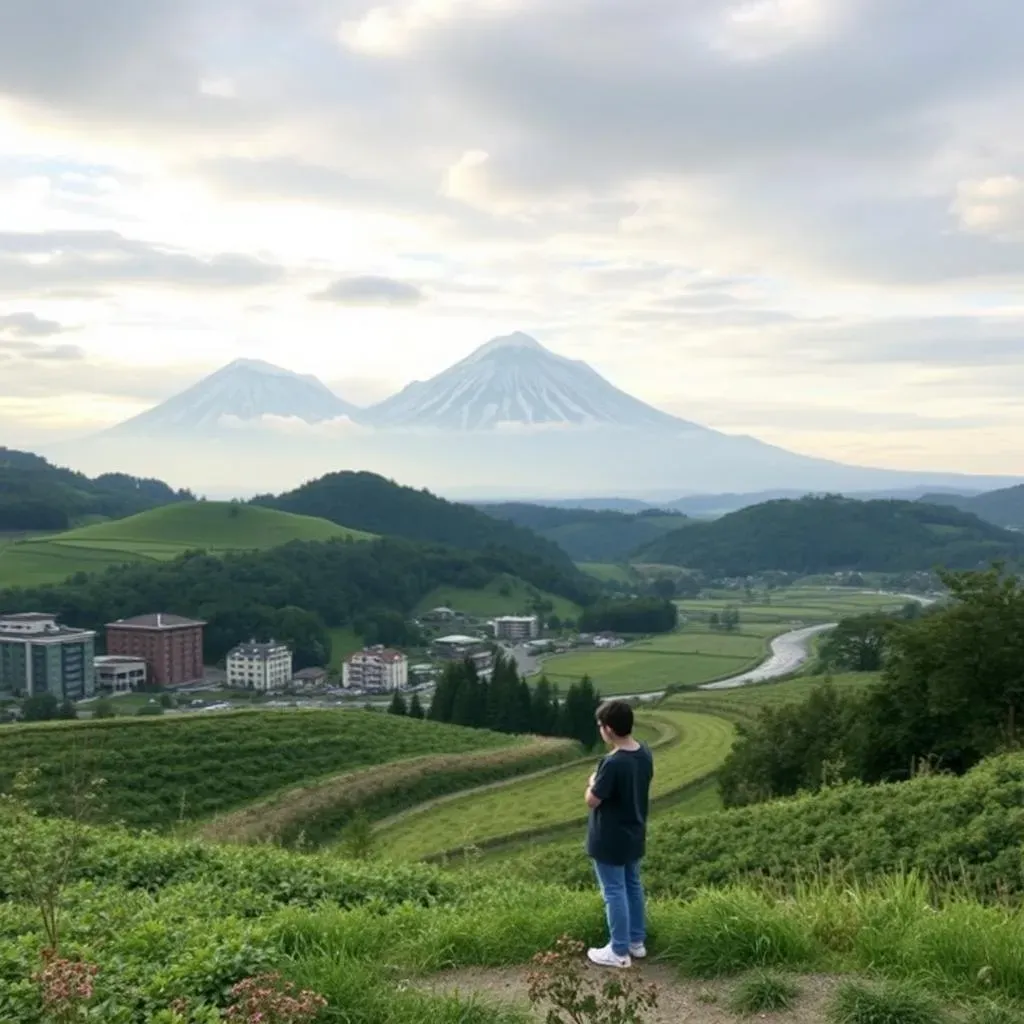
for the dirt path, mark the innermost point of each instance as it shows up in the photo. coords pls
(679, 1002)
(666, 734)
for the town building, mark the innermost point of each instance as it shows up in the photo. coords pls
(516, 628)
(458, 647)
(37, 655)
(310, 678)
(254, 666)
(116, 673)
(376, 668)
(170, 645)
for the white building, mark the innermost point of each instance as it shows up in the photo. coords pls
(516, 627)
(254, 666)
(376, 668)
(116, 673)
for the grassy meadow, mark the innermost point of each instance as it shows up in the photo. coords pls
(158, 535)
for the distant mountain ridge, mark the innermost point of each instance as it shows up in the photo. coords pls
(510, 419)
(832, 534)
(590, 535)
(1004, 507)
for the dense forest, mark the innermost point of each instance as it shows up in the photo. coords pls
(588, 535)
(1004, 507)
(505, 703)
(634, 615)
(951, 693)
(366, 501)
(36, 495)
(291, 592)
(831, 534)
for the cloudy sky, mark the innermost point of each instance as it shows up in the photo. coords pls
(799, 219)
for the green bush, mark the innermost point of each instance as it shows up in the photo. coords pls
(763, 992)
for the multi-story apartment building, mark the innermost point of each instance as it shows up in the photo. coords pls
(376, 668)
(254, 666)
(118, 674)
(170, 645)
(516, 628)
(39, 656)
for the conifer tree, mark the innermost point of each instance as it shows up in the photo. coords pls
(415, 707)
(397, 705)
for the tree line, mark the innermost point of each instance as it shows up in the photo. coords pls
(951, 693)
(294, 593)
(506, 703)
(632, 615)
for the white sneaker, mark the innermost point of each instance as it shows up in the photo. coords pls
(637, 950)
(607, 957)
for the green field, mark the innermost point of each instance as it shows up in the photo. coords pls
(789, 606)
(553, 799)
(607, 571)
(505, 595)
(186, 767)
(159, 534)
(344, 641)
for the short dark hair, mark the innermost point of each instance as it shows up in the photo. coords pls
(616, 715)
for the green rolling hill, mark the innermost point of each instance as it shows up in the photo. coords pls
(158, 535)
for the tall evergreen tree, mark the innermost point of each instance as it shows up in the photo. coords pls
(415, 707)
(543, 709)
(397, 705)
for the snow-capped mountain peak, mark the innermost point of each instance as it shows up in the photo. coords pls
(246, 390)
(515, 380)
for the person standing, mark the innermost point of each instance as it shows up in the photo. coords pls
(618, 794)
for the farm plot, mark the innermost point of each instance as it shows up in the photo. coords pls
(536, 805)
(633, 670)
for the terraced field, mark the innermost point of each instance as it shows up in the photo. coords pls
(532, 806)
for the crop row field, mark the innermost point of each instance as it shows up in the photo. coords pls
(162, 771)
(318, 811)
(555, 799)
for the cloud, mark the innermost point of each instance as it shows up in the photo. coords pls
(45, 260)
(371, 290)
(28, 325)
(339, 426)
(992, 206)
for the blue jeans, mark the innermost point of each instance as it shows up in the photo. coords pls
(624, 904)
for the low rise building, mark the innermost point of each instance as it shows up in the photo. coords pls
(465, 648)
(116, 673)
(171, 646)
(516, 628)
(376, 668)
(37, 655)
(310, 678)
(257, 666)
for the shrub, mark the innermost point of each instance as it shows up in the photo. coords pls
(889, 1003)
(763, 992)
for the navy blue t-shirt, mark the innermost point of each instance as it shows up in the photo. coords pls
(617, 830)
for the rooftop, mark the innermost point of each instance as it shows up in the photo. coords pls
(28, 617)
(458, 639)
(117, 659)
(255, 650)
(383, 653)
(158, 620)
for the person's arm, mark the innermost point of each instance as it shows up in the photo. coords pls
(600, 786)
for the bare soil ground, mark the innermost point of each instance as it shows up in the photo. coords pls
(680, 1001)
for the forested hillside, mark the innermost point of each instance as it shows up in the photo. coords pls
(588, 535)
(36, 495)
(831, 534)
(1004, 507)
(366, 501)
(291, 592)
